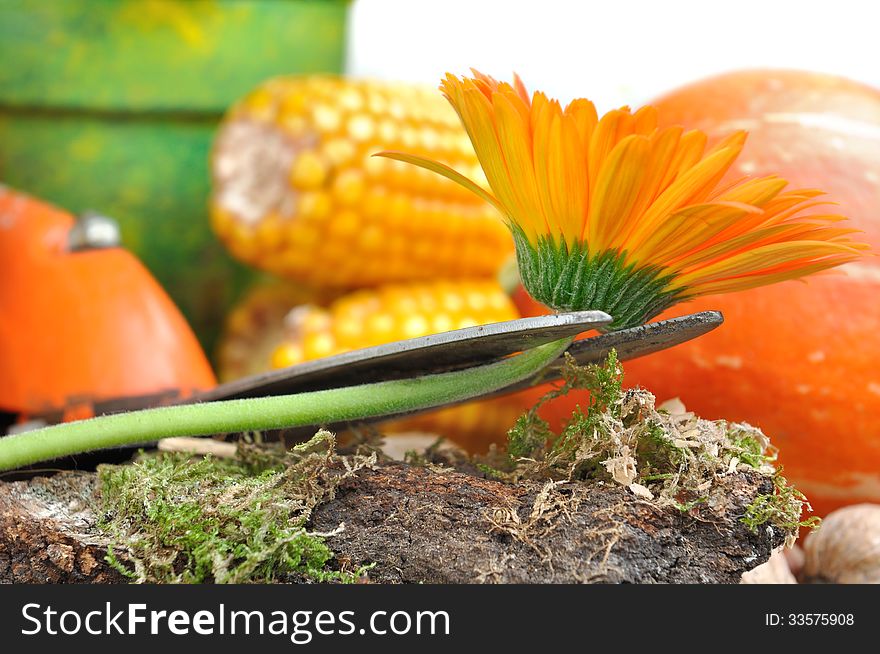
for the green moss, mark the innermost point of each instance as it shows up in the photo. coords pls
(751, 450)
(657, 452)
(619, 436)
(686, 507)
(604, 384)
(528, 436)
(781, 508)
(490, 472)
(531, 437)
(183, 520)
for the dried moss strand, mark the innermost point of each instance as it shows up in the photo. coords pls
(314, 408)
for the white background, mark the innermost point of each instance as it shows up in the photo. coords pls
(614, 52)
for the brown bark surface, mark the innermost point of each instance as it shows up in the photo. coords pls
(417, 524)
(48, 533)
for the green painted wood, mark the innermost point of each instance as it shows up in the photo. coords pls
(109, 106)
(160, 54)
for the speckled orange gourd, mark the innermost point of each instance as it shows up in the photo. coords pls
(297, 193)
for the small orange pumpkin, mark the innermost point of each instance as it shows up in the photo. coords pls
(83, 330)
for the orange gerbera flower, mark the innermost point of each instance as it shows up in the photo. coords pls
(616, 214)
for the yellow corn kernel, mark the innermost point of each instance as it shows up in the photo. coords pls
(308, 171)
(299, 149)
(260, 104)
(221, 221)
(270, 233)
(288, 354)
(317, 345)
(361, 127)
(307, 237)
(414, 326)
(345, 225)
(314, 205)
(340, 151)
(327, 117)
(243, 240)
(349, 187)
(379, 328)
(254, 330)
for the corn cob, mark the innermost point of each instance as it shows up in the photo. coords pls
(296, 192)
(253, 329)
(393, 312)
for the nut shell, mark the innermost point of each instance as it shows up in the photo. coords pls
(846, 549)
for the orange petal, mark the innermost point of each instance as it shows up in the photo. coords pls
(516, 146)
(765, 278)
(567, 177)
(602, 141)
(777, 255)
(617, 189)
(689, 152)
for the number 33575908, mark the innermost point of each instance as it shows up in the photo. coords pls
(809, 619)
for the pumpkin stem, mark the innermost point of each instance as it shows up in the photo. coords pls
(252, 414)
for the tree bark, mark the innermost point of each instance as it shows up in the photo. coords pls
(421, 524)
(48, 532)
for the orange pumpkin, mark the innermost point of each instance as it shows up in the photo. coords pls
(801, 360)
(83, 330)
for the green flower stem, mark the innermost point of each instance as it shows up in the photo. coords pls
(312, 408)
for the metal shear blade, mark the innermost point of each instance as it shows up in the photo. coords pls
(444, 352)
(468, 347)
